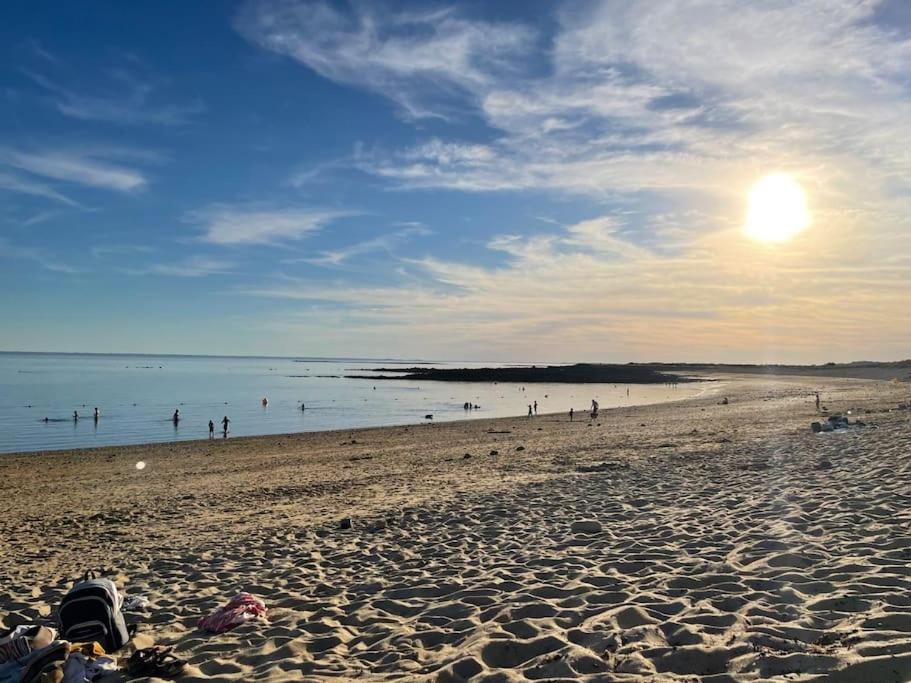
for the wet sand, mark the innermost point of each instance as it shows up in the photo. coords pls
(720, 543)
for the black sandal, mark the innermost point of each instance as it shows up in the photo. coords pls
(155, 661)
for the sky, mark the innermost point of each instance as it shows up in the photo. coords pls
(554, 181)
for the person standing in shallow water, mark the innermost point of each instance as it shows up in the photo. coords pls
(224, 424)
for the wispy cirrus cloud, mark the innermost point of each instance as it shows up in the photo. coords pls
(37, 255)
(248, 224)
(556, 297)
(662, 96)
(106, 250)
(97, 168)
(193, 267)
(383, 243)
(671, 109)
(12, 182)
(130, 100)
(423, 60)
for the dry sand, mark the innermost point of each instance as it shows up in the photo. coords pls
(734, 545)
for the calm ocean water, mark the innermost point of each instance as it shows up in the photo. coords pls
(137, 396)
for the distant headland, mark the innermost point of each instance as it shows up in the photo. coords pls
(580, 373)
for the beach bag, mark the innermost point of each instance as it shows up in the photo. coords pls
(91, 611)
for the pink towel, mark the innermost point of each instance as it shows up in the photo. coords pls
(242, 608)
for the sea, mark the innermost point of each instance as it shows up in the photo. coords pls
(137, 396)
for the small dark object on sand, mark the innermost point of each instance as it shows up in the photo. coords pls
(816, 427)
(345, 523)
(495, 452)
(605, 466)
(520, 448)
(466, 456)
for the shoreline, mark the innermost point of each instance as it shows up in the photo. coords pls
(730, 542)
(710, 381)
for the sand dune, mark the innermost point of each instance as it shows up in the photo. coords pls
(713, 543)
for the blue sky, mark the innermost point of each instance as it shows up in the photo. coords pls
(493, 181)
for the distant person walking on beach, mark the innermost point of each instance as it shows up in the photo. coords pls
(817, 401)
(536, 407)
(224, 424)
(211, 429)
(529, 410)
(570, 414)
(594, 409)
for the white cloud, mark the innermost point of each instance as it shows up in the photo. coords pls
(557, 297)
(197, 266)
(105, 250)
(250, 224)
(88, 168)
(383, 243)
(420, 59)
(672, 109)
(660, 96)
(15, 183)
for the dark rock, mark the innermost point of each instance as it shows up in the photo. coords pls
(586, 526)
(824, 464)
(466, 456)
(345, 523)
(520, 448)
(495, 452)
(816, 427)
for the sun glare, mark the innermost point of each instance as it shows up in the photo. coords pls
(777, 209)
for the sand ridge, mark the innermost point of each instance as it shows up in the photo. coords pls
(734, 545)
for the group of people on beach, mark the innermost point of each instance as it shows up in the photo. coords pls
(533, 410)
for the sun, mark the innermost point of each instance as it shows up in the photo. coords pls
(777, 209)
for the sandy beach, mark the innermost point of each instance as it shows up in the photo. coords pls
(720, 543)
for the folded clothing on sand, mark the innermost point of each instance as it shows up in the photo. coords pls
(18, 642)
(243, 607)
